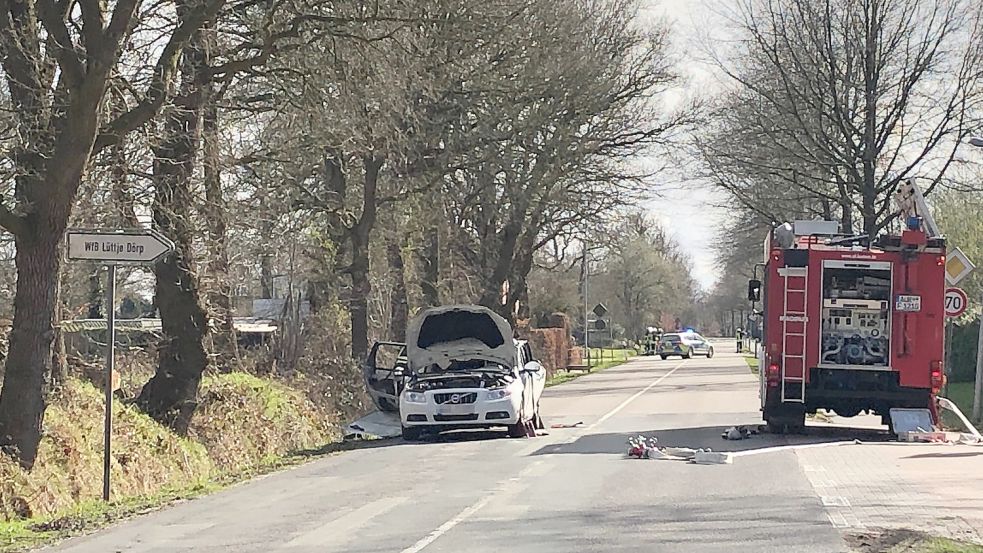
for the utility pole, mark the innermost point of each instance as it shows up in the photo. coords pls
(586, 308)
(978, 383)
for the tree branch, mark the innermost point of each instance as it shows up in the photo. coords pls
(53, 16)
(10, 221)
(164, 72)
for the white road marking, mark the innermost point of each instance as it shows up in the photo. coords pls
(635, 396)
(506, 486)
(344, 526)
(834, 501)
(792, 447)
(481, 503)
(445, 527)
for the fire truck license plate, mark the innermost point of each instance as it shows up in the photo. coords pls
(908, 303)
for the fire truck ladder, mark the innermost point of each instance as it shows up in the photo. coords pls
(794, 319)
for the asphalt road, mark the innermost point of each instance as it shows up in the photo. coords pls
(572, 490)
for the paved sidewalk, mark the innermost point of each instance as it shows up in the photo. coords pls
(933, 488)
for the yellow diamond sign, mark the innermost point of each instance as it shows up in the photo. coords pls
(957, 266)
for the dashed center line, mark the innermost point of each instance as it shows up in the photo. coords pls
(481, 503)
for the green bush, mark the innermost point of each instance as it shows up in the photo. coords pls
(962, 352)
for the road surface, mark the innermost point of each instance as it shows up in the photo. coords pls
(572, 490)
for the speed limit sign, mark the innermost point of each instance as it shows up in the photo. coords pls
(955, 302)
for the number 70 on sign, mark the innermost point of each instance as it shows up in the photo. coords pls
(956, 302)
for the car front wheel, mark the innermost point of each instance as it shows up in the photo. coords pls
(709, 353)
(411, 433)
(518, 430)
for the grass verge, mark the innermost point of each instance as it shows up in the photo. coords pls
(961, 393)
(752, 363)
(245, 425)
(907, 541)
(608, 358)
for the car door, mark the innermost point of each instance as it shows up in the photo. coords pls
(700, 344)
(380, 370)
(533, 379)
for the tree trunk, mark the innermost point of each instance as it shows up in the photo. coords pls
(846, 220)
(430, 258)
(22, 399)
(360, 237)
(868, 187)
(398, 303)
(503, 256)
(220, 293)
(518, 303)
(170, 397)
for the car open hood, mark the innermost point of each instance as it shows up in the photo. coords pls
(441, 335)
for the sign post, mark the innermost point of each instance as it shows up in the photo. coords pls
(120, 247)
(107, 431)
(978, 384)
(955, 305)
(957, 267)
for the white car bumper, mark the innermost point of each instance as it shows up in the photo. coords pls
(442, 409)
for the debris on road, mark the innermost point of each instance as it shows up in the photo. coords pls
(376, 425)
(567, 425)
(738, 433)
(713, 458)
(686, 453)
(947, 404)
(641, 447)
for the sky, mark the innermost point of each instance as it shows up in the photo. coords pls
(686, 209)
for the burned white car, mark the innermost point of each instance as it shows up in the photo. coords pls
(463, 369)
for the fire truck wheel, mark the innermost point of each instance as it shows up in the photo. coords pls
(775, 427)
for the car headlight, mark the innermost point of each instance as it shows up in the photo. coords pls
(415, 397)
(500, 393)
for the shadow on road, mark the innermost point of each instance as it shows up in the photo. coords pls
(347, 445)
(709, 437)
(450, 436)
(951, 455)
(459, 436)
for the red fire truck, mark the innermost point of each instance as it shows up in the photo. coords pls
(850, 324)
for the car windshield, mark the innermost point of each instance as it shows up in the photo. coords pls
(671, 339)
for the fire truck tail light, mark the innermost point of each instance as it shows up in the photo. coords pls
(938, 379)
(772, 374)
(940, 261)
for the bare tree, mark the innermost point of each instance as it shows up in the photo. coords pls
(57, 63)
(564, 161)
(840, 101)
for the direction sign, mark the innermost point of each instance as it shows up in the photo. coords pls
(955, 302)
(957, 266)
(114, 247)
(140, 246)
